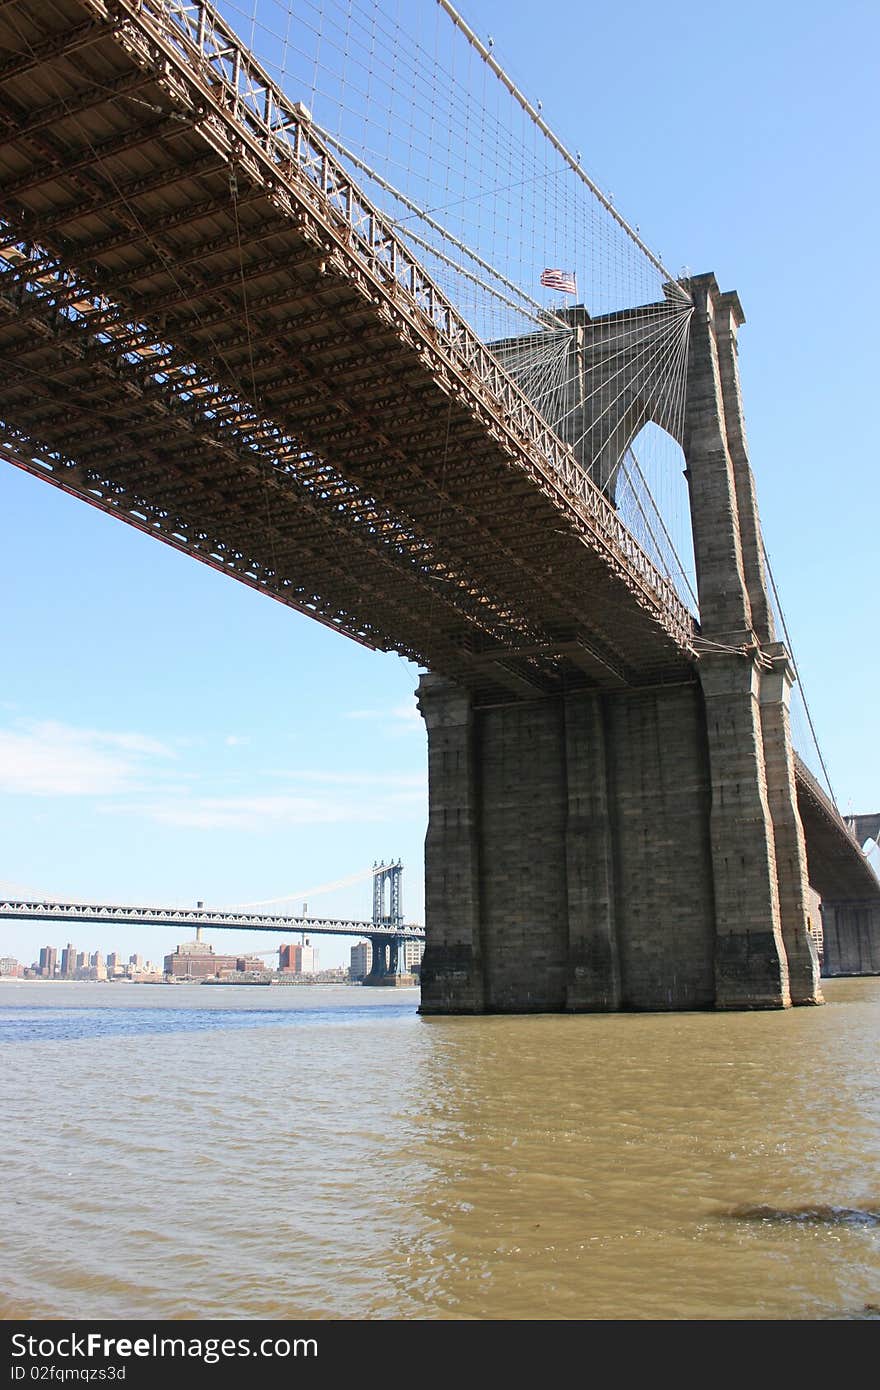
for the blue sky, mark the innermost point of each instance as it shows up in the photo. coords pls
(168, 735)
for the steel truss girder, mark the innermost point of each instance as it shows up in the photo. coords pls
(459, 607)
(92, 251)
(60, 46)
(60, 110)
(400, 316)
(163, 128)
(30, 227)
(478, 526)
(248, 129)
(183, 259)
(145, 306)
(470, 519)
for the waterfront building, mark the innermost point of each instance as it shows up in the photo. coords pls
(197, 960)
(410, 957)
(48, 962)
(10, 968)
(361, 960)
(68, 961)
(298, 958)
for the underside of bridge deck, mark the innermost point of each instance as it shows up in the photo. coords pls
(844, 880)
(202, 330)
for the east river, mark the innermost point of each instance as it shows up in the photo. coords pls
(326, 1153)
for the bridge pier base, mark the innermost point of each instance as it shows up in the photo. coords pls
(568, 862)
(452, 965)
(594, 852)
(851, 932)
(379, 963)
(593, 965)
(790, 851)
(385, 967)
(751, 969)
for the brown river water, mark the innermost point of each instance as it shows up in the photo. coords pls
(326, 1153)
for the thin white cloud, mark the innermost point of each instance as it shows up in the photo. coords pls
(408, 712)
(402, 718)
(130, 743)
(394, 780)
(262, 813)
(236, 740)
(52, 759)
(132, 774)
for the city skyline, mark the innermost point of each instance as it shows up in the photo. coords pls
(68, 962)
(139, 958)
(293, 958)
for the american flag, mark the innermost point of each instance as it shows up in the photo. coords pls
(560, 280)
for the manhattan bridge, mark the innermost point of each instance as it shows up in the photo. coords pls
(326, 304)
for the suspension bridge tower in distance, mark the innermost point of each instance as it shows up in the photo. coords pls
(389, 966)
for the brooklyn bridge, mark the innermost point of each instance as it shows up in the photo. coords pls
(217, 325)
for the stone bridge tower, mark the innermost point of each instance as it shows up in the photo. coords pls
(634, 847)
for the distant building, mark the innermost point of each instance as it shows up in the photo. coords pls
(10, 968)
(196, 960)
(96, 961)
(115, 965)
(410, 957)
(361, 960)
(82, 960)
(299, 958)
(137, 962)
(48, 962)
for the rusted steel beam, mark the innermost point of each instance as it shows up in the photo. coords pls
(30, 227)
(95, 155)
(94, 251)
(210, 286)
(59, 46)
(125, 433)
(184, 259)
(67, 108)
